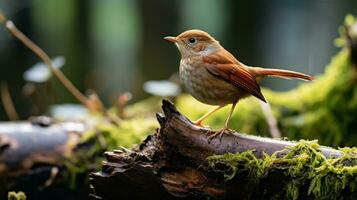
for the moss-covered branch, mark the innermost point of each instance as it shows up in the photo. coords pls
(307, 173)
(180, 162)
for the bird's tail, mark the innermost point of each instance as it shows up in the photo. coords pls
(281, 73)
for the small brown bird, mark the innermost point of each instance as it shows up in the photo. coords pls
(214, 76)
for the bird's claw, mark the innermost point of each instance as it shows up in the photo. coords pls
(218, 133)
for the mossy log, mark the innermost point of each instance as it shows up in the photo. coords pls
(179, 162)
(33, 156)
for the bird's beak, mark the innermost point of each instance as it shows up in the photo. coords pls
(170, 39)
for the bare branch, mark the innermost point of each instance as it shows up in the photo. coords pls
(44, 57)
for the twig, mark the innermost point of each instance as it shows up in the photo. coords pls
(271, 120)
(8, 103)
(44, 57)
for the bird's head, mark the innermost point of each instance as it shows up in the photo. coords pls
(194, 42)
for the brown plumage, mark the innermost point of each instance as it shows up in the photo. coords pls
(214, 76)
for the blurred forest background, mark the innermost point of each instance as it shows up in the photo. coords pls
(113, 46)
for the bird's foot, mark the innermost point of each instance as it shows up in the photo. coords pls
(199, 123)
(218, 133)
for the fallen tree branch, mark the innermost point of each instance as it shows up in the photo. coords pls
(25, 144)
(172, 164)
(33, 156)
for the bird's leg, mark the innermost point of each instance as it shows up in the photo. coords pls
(201, 119)
(221, 132)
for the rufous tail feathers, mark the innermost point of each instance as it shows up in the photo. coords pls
(281, 73)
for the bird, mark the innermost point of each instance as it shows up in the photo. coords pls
(213, 76)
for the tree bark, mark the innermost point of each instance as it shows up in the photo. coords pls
(170, 163)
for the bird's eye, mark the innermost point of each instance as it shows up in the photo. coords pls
(192, 40)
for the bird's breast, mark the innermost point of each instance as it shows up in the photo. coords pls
(204, 86)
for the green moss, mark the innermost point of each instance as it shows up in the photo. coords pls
(308, 173)
(127, 133)
(104, 136)
(16, 196)
(245, 161)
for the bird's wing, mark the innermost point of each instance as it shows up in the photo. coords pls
(223, 65)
